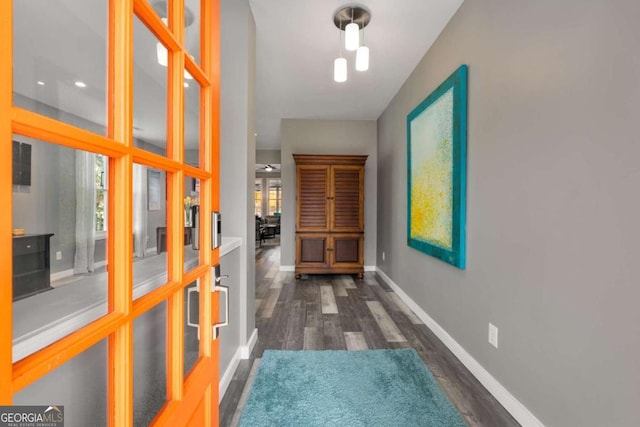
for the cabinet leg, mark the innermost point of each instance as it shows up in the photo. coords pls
(361, 275)
(298, 276)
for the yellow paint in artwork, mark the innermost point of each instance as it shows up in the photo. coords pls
(431, 201)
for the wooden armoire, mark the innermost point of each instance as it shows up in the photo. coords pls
(329, 214)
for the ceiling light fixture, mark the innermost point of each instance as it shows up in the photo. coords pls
(340, 63)
(351, 35)
(80, 84)
(362, 56)
(161, 52)
(268, 168)
(351, 19)
(163, 59)
(40, 83)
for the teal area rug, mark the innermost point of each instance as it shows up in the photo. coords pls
(347, 388)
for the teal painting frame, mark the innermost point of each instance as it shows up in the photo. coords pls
(457, 255)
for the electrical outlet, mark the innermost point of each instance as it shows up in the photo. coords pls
(382, 256)
(493, 335)
(58, 255)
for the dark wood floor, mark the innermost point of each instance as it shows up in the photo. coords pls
(345, 313)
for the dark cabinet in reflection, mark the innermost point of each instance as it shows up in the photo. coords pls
(31, 265)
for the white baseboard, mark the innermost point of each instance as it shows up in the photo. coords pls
(68, 273)
(245, 350)
(61, 275)
(151, 251)
(502, 395)
(293, 268)
(226, 378)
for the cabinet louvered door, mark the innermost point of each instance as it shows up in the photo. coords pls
(313, 198)
(347, 199)
(313, 251)
(347, 251)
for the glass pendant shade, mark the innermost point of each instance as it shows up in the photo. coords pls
(362, 58)
(162, 54)
(352, 36)
(340, 70)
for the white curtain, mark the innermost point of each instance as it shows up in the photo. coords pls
(85, 212)
(139, 210)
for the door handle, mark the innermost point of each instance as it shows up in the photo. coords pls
(225, 290)
(217, 287)
(189, 323)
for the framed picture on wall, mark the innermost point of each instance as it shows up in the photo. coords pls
(437, 167)
(153, 190)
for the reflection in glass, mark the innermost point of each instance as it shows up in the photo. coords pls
(191, 340)
(192, 28)
(192, 123)
(149, 364)
(149, 92)
(149, 229)
(59, 255)
(79, 385)
(191, 222)
(60, 60)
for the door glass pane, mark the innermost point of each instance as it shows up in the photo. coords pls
(192, 24)
(191, 222)
(149, 90)
(78, 389)
(192, 316)
(191, 122)
(149, 364)
(149, 229)
(60, 60)
(59, 255)
(192, 29)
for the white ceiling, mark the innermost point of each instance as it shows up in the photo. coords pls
(297, 43)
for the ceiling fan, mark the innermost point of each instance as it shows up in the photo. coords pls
(270, 168)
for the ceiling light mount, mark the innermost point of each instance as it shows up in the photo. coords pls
(343, 17)
(161, 9)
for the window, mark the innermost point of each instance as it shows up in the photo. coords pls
(101, 195)
(275, 197)
(258, 198)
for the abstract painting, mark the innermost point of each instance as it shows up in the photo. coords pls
(436, 157)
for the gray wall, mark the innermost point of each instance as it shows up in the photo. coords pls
(237, 150)
(300, 136)
(230, 335)
(552, 227)
(268, 157)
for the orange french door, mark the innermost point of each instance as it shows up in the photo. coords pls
(188, 397)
